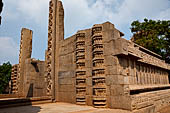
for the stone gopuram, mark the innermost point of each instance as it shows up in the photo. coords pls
(95, 67)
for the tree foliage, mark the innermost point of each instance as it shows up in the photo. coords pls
(153, 35)
(5, 76)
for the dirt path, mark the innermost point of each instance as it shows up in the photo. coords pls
(165, 110)
(59, 108)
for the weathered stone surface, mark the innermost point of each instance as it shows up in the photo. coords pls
(14, 74)
(123, 102)
(95, 67)
(34, 78)
(25, 53)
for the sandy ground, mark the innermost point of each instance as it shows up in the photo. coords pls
(165, 110)
(65, 108)
(58, 108)
(7, 98)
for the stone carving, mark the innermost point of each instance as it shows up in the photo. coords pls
(80, 74)
(98, 62)
(97, 54)
(80, 65)
(14, 74)
(98, 72)
(96, 30)
(81, 82)
(99, 92)
(99, 81)
(98, 69)
(55, 36)
(51, 30)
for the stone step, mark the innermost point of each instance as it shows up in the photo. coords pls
(22, 102)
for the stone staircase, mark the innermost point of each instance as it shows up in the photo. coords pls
(13, 102)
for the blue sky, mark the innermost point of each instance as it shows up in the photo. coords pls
(79, 14)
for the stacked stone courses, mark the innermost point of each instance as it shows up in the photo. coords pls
(80, 69)
(14, 73)
(95, 67)
(98, 72)
(51, 32)
(26, 77)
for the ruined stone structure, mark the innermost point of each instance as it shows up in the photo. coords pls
(27, 77)
(14, 73)
(25, 52)
(95, 67)
(55, 36)
(34, 83)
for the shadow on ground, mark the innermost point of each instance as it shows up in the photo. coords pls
(21, 109)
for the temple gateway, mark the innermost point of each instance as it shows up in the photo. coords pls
(94, 67)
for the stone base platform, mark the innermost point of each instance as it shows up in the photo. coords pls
(14, 102)
(59, 108)
(43, 106)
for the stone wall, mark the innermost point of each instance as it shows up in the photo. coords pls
(95, 67)
(98, 67)
(27, 77)
(3, 96)
(132, 70)
(66, 75)
(34, 78)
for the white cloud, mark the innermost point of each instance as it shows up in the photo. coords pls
(80, 14)
(164, 14)
(8, 50)
(134, 9)
(120, 12)
(33, 9)
(29, 10)
(77, 15)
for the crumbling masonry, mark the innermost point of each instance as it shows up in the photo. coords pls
(95, 67)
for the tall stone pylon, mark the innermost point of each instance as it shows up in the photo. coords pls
(25, 53)
(55, 36)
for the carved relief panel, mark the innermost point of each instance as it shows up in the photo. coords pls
(80, 69)
(98, 71)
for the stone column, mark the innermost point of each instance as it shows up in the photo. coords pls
(55, 36)
(25, 53)
(59, 39)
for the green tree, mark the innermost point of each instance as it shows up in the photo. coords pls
(5, 76)
(153, 35)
